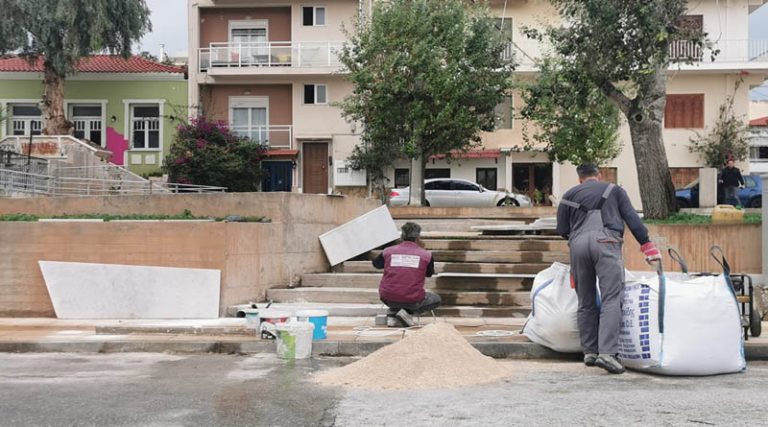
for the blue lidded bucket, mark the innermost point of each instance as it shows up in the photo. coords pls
(319, 318)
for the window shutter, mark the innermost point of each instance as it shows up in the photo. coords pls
(684, 111)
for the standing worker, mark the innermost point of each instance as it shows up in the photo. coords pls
(405, 268)
(732, 180)
(591, 216)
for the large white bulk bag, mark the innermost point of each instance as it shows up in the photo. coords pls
(675, 324)
(554, 304)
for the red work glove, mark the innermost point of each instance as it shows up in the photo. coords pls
(651, 252)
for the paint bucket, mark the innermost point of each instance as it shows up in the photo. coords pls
(319, 318)
(294, 340)
(268, 319)
(251, 318)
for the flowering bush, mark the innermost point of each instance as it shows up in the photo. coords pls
(207, 153)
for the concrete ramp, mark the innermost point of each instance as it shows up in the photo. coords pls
(111, 291)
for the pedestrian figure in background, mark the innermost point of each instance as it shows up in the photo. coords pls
(731, 179)
(591, 216)
(405, 268)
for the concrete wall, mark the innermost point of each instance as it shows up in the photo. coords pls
(214, 23)
(216, 101)
(253, 257)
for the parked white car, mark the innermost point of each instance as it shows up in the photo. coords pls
(449, 192)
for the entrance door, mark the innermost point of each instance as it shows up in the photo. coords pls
(533, 180)
(316, 167)
(277, 176)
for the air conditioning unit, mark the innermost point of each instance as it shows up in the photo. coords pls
(345, 176)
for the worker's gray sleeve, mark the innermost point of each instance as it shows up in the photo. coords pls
(378, 262)
(630, 216)
(563, 221)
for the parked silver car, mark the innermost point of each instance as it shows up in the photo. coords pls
(450, 192)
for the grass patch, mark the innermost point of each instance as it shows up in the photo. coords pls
(693, 219)
(186, 215)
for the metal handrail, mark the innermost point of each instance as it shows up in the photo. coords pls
(270, 136)
(270, 54)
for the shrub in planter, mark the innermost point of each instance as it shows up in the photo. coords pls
(208, 153)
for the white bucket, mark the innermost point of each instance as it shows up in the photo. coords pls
(294, 340)
(319, 318)
(252, 318)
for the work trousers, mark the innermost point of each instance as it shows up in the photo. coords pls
(431, 301)
(731, 195)
(596, 255)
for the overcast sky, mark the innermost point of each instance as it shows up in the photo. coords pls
(169, 23)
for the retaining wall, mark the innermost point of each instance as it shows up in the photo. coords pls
(252, 257)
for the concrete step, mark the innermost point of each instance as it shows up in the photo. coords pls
(371, 281)
(503, 257)
(457, 267)
(432, 225)
(556, 245)
(371, 310)
(371, 296)
(507, 213)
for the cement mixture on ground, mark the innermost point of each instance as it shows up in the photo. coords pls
(434, 357)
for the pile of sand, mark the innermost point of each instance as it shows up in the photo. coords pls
(436, 356)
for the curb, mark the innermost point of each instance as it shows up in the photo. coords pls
(497, 350)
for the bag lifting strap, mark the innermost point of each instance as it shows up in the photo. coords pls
(599, 206)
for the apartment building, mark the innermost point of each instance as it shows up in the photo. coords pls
(269, 68)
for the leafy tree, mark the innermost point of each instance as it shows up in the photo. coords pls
(427, 77)
(61, 32)
(623, 48)
(729, 137)
(207, 153)
(571, 117)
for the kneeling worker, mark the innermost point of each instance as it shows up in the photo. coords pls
(402, 287)
(592, 217)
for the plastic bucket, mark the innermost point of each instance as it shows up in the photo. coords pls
(268, 320)
(319, 318)
(252, 318)
(294, 340)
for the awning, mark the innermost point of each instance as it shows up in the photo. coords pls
(281, 153)
(471, 154)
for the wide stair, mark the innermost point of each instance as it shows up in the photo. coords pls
(478, 276)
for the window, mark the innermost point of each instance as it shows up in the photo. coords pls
(684, 111)
(315, 94)
(487, 178)
(313, 16)
(145, 129)
(444, 185)
(504, 113)
(437, 173)
(402, 178)
(250, 118)
(683, 176)
(464, 186)
(758, 154)
(609, 175)
(749, 182)
(26, 119)
(250, 43)
(504, 25)
(86, 119)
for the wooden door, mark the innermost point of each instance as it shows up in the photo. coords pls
(316, 167)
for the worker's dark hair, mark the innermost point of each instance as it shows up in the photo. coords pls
(587, 170)
(410, 231)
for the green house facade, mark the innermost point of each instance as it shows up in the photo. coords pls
(130, 107)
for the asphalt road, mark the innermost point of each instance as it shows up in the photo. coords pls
(217, 390)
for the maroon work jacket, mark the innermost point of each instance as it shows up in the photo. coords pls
(405, 267)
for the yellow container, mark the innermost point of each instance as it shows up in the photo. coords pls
(727, 214)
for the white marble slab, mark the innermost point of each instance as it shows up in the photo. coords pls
(362, 234)
(112, 291)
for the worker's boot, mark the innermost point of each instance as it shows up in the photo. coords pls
(393, 322)
(610, 363)
(405, 317)
(590, 358)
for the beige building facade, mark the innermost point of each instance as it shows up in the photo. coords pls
(270, 70)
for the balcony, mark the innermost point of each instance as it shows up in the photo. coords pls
(269, 57)
(274, 137)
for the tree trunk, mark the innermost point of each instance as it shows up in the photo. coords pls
(56, 122)
(646, 118)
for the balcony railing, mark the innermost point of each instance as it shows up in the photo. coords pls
(270, 54)
(280, 137)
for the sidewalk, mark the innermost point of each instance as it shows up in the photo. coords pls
(346, 337)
